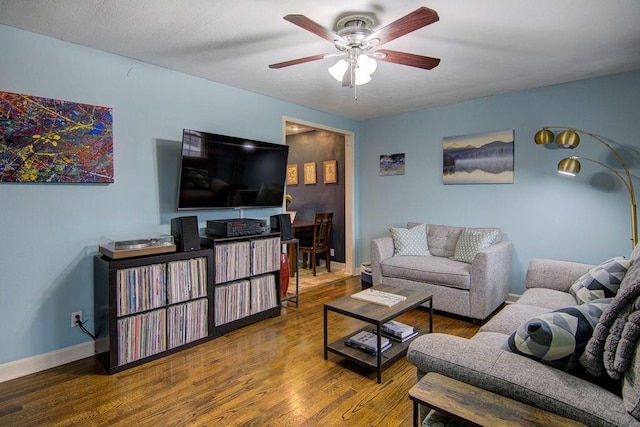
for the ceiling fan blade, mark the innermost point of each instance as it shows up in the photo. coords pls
(417, 19)
(312, 26)
(409, 59)
(298, 61)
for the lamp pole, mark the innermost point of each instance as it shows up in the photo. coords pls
(569, 138)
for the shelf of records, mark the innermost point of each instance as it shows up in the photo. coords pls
(151, 286)
(231, 258)
(244, 298)
(144, 335)
(149, 306)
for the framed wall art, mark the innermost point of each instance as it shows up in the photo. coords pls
(481, 158)
(292, 174)
(392, 164)
(330, 171)
(50, 140)
(310, 173)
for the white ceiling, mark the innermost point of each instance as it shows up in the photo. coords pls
(487, 47)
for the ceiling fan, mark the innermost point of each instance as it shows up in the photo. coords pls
(358, 42)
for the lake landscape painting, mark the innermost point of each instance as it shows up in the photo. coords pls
(483, 158)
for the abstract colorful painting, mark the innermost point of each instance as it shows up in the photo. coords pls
(49, 140)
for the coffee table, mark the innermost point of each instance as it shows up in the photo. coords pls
(377, 315)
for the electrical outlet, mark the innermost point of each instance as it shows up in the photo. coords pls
(332, 252)
(73, 318)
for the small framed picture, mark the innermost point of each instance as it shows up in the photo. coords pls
(330, 169)
(292, 174)
(310, 173)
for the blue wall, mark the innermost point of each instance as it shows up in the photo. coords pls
(49, 233)
(543, 214)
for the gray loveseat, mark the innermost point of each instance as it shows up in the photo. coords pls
(485, 360)
(473, 289)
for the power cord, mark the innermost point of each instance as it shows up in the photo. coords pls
(82, 328)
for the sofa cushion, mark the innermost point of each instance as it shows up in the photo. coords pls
(550, 299)
(470, 242)
(432, 269)
(490, 339)
(602, 281)
(510, 317)
(410, 241)
(442, 239)
(558, 338)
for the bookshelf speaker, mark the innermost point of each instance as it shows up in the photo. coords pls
(282, 223)
(184, 230)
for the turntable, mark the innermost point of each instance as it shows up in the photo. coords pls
(128, 246)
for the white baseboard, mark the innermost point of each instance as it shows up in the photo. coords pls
(33, 364)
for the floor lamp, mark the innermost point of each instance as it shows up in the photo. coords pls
(570, 138)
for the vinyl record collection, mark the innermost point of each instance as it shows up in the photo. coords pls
(187, 280)
(263, 293)
(187, 322)
(232, 302)
(141, 335)
(265, 256)
(144, 288)
(141, 288)
(231, 261)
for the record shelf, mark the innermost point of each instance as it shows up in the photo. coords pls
(246, 280)
(150, 306)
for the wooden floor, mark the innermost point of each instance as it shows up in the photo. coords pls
(269, 373)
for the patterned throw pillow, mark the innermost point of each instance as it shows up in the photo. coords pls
(471, 242)
(410, 241)
(558, 338)
(602, 281)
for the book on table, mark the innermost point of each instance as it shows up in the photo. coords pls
(397, 331)
(394, 338)
(368, 342)
(379, 297)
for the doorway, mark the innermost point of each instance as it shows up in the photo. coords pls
(325, 140)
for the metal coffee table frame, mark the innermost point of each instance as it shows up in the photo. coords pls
(376, 315)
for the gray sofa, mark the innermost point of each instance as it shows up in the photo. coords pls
(486, 361)
(472, 289)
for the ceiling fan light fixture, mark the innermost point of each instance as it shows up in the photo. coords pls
(338, 69)
(366, 65)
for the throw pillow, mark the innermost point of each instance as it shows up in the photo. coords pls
(410, 241)
(471, 242)
(558, 338)
(602, 281)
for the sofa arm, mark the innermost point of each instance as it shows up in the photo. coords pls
(554, 274)
(490, 279)
(518, 378)
(381, 249)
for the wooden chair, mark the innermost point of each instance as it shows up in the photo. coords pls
(320, 243)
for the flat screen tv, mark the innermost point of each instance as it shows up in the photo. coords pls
(219, 171)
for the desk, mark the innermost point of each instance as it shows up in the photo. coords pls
(297, 227)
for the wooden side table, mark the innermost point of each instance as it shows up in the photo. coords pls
(477, 406)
